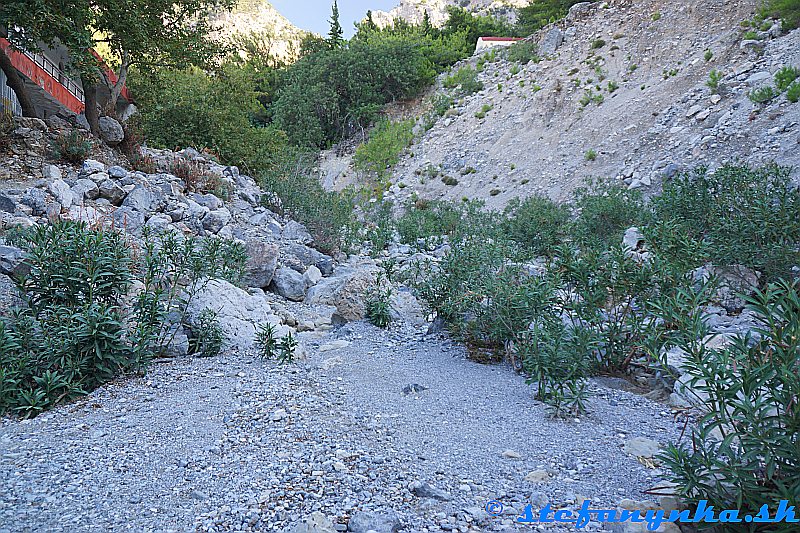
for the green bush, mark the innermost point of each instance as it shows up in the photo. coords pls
(786, 10)
(72, 147)
(737, 215)
(785, 76)
(762, 95)
(598, 43)
(329, 95)
(295, 190)
(207, 335)
(793, 92)
(537, 15)
(465, 79)
(378, 306)
(442, 104)
(181, 108)
(485, 108)
(537, 223)
(382, 150)
(744, 450)
(714, 77)
(270, 347)
(523, 52)
(605, 211)
(70, 335)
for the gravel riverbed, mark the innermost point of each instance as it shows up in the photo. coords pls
(397, 423)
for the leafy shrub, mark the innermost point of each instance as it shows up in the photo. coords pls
(590, 155)
(70, 336)
(740, 215)
(296, 191)
(762, 95)
(442, 104)
(785, 76)
(605, 211)
(269, 347)
(709, 55)
(537, 223)
(466, 79)
(207, 335)
(181, 108)
(598, 43)
(332, 94)
(537, 15)
(743, 452)
(142, 162)
(382, 151)
(793, 92)
(172, 270)
(378, 307)
(523, 52)
(72, 147)
(482, 113)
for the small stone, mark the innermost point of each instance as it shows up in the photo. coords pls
(511, 454)
(537, 476)
(642, 447)
(424, 490)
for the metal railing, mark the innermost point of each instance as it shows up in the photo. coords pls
(59, 75)
(8, 100)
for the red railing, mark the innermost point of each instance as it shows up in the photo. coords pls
(51, 79)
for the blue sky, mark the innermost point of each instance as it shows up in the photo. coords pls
(313, 15)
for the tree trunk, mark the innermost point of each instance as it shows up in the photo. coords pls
(17, 85)
(90, 103)
(115, 89)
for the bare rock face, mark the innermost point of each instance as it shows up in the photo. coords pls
(345, 292)
(262, 260)
(239, 313)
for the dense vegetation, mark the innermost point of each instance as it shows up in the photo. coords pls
(80, 324)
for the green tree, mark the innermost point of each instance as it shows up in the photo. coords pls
(336, 34)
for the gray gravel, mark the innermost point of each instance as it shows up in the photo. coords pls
(236, 444)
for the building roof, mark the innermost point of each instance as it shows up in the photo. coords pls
(499, 39)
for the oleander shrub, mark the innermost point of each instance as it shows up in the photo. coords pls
(382, 150)
(735, 215)
(69, 337)
(294, 190)
(207, 335)
(743, 452)
(537, 223)
(605, 211)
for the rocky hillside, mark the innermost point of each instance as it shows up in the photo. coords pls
(413, 11)
(276, 34)
(283, 268)
(621, 92)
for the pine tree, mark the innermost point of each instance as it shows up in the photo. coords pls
(335, 35)
(426, 23)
